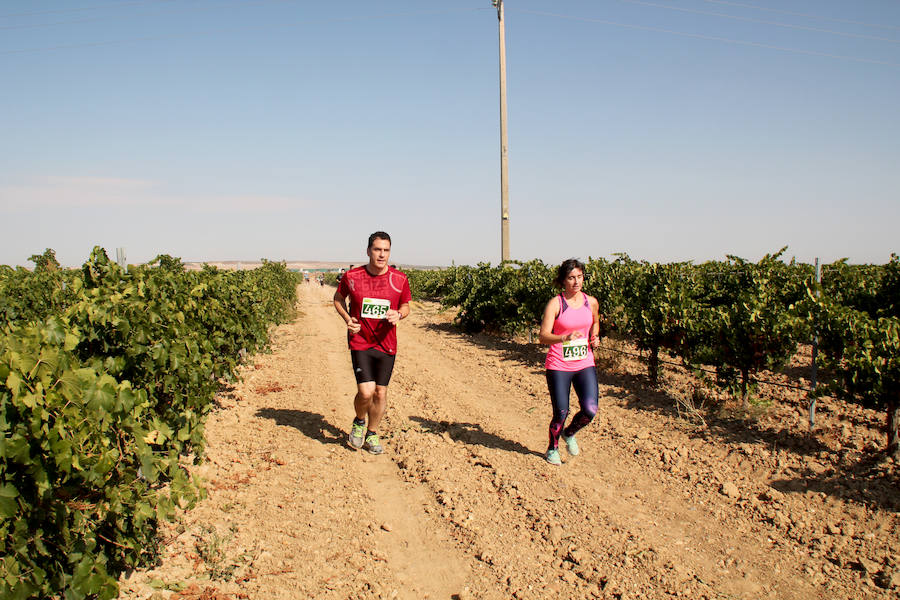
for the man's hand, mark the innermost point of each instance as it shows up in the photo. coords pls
(392, 316)
(353, 325)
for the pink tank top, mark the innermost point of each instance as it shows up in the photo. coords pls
(575, 355)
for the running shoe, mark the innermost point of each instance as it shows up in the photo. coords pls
(373, 444)
(356, 435)
(571, 445)
(553, 457)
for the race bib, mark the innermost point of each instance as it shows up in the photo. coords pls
(374, 308)
(575, 349)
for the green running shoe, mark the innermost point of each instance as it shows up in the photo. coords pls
(553, 457)
(356, 435)
(571, 445)
(373, 444)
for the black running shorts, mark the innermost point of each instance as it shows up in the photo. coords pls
(372, 365)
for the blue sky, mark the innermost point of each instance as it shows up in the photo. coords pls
(291, 129)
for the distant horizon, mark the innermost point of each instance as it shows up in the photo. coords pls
(422, 265)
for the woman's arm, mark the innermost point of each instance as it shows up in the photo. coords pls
(546, 335)
(595, 325)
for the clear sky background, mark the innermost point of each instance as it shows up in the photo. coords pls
(291, 129)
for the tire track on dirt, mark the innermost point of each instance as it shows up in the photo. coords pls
(462, 504)
(601, 525)
(422, 565)
(292, 511)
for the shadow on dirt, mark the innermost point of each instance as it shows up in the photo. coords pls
(868, 479)
(532, 355)
(730, 428)
(798, 374)
(472, 433)
(873, 480)
(226, 390)
(637, 394)
(309, 424)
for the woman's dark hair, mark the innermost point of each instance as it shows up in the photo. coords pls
(564, 269)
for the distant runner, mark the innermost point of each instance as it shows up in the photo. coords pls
(379, 297)
(571, 320)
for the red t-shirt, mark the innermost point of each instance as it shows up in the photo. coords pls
(373, 295)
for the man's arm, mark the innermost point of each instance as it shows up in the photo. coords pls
(340, 305)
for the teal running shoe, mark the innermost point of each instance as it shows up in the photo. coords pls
(571, 445)
(553, 457)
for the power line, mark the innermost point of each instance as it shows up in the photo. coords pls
(764, 22)
(236, 29)
(84, 8)
(71, 22)
(806, 15)
(713, 38)
(194, 9)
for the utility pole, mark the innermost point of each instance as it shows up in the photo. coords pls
(815, 354)
(504, 147)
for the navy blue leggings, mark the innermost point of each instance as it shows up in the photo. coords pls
(587, 390)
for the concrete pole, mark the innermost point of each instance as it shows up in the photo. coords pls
(504, 144)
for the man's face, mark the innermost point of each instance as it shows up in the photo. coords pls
(379, 253)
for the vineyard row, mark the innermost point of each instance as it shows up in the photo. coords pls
(733, 317)
(106, 377)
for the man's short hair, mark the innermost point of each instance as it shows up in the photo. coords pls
(378, 235)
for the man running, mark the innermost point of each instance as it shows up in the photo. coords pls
(379, 297)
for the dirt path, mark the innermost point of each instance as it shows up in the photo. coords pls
(462, 505)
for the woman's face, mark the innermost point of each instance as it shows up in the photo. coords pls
(573, 282)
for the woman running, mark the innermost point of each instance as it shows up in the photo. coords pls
(571, 320)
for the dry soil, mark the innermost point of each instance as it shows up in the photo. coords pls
(662, 502)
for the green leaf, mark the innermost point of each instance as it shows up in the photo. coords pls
(14, 383)
(8, 507)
